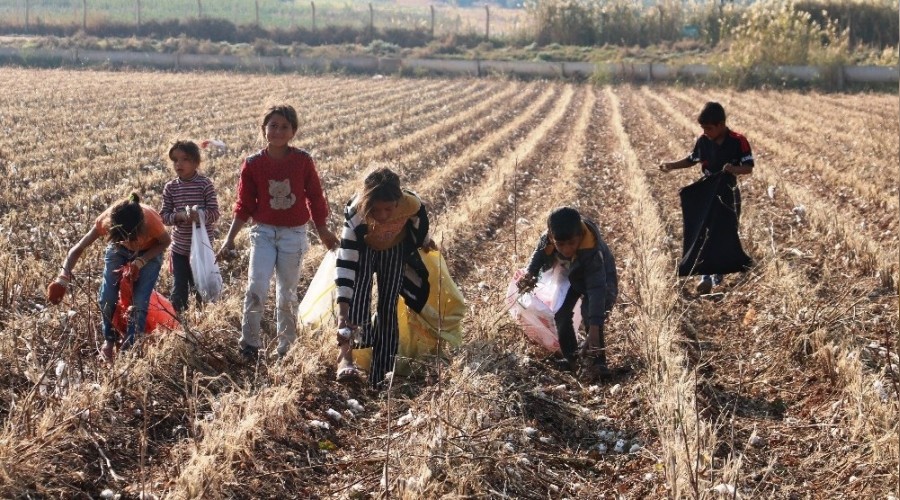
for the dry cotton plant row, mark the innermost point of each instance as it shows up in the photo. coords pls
(789, 286)
(185, 420)
(685, 436)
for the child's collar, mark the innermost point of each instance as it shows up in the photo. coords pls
(587, 241)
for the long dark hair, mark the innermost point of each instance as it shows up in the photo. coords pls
(382, 184)
(126, 219)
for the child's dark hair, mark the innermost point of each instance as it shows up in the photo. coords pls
(285, 110)
(712, 113)
(125, 219)
(382, 184)
(564, 223)
(187, 147)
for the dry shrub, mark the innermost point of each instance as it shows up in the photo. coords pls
(776, 33)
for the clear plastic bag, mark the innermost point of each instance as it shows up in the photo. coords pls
(319, 303)
(207, 277)
(535, 310)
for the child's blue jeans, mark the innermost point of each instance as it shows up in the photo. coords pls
(277, 250)
(117, 256)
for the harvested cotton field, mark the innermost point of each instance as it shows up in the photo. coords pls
(784, 385)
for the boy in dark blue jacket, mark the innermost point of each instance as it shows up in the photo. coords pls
(719, 151)
(575, 244)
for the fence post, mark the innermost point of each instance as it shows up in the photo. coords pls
(84, 15)
(313, 5)
(432, 20)
(487, 22)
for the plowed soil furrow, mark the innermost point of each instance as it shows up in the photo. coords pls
(463, 171)
(670, 384)
(407, 116)
(783, 384)
(344, 136)
(874, 255)
(771, 374)
(490, 191)
(862, 105)
(849, 168)
(454, 137)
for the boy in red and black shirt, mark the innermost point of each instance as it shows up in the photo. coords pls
(719, 150)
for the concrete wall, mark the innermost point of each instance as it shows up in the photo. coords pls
(540, 69)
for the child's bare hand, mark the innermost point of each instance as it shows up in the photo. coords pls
(226, 252)
(526, 283)
(430, 246)
(56, 290)
(328, 239)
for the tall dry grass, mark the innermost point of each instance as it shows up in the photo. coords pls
(686, 438)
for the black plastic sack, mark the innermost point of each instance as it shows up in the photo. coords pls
(711, 241)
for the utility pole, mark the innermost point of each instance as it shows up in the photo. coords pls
(138, 2)
(199, 9)
(313, 5)
(432, 21)
(84, 15)
(257, 13)
(487, 22)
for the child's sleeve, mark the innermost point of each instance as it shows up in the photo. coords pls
(168, 207)
(315, 195)
(419, 223)
(348, 256)
(211, 203)
(696, 156)
(246, 200)
(746, 152)
(538, 257)
(595, 289)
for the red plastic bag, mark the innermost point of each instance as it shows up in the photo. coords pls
(160, 312)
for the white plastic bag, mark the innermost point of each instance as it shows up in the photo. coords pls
(207, 278)
(318, 304)
(535, 310)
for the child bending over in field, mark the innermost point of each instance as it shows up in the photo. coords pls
(183, 198)
(280, 190)
(136, 237)
(575, 244)
(384, 228)
(720, 151)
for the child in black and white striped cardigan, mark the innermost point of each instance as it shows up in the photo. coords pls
(384, 228)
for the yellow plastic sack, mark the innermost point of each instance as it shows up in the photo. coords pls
(440, 318)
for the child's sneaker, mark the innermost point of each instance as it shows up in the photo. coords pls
(249, 354)
(565, 365)
(705, 285)
(598, 371)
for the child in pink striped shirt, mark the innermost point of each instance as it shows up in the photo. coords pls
(182, 199)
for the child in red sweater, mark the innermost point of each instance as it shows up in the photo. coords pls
(280, 190)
